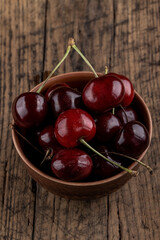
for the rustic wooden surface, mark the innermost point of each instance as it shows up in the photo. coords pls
(125, 35)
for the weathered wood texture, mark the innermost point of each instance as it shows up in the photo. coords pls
(33, 36)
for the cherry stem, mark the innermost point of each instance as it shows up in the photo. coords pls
(134, 159)
(133, 173)
(62, 60)
(106, 70)
(113, 111)
(46, 156)
(124, 112)
(81, 54)
(13, 127)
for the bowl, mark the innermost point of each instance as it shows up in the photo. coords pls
(82, 190)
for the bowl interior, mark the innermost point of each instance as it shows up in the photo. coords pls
(78, 80)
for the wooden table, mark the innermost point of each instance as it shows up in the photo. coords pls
(125, 36)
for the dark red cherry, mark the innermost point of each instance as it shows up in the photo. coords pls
(29, 109)
(64, 98)
(107, 127)
(103, 93)
(52, 88)
(72, 125)
(133, 139)
(71, 164)
(129, 90)
(47, 140)
(126, 115)
(103, 169)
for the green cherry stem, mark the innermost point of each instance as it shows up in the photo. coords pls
(113, 111)
(25, 139)
(133, 173)
(106, 70)
(62, 60)
(46, 156)
(48, 152)
(135, 160)
(81, 54)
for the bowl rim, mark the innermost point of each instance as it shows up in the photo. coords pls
(85, 184)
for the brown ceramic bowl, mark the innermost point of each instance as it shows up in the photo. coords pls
(82, 190)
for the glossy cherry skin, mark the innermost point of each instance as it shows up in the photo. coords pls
(129, 90)
(107, 127)
(29, 110)
(103, 169)
(64, 98)
(133, 139)
(72, 125)
(103, 93)
(129, 115)
(47, 140)
(52, 88)
(71, 164)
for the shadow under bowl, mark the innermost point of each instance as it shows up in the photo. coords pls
(82, 190)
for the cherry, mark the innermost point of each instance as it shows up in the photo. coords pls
(71, 164)
(103, 169)
(72, 125)
(107, 126)
(103, 93)
(36, 157)
(52, 88)
(47, 140)
(29, 110)
(126, 115)
(64, 98)
(133, 139)
(129, 90)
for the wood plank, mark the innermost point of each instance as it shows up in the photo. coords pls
(21, 44)
(136, 42)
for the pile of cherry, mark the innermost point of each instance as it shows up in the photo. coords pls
(88, 135)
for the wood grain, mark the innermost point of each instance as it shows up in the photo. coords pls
(33, 36)
(22, 43)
